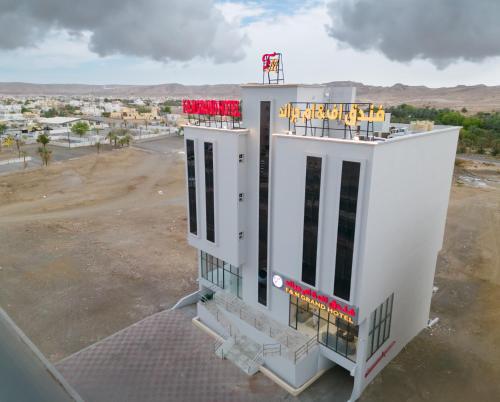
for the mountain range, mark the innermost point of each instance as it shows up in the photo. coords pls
(474, 98)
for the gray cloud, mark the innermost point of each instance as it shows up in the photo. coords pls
(163, 30)
(442, 31)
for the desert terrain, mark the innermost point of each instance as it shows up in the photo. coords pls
(473, 97)
(91, 245)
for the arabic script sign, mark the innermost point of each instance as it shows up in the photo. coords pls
(328, 303)
(348, 113)
(212, 107)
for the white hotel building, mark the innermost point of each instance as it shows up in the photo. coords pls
(315, 248)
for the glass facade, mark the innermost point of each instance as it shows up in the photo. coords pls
(265, 128)
(380, 326)
(311, 216)
(209, 191)
(220, 273)
(331, 331)
(191, 172)
(346, 229)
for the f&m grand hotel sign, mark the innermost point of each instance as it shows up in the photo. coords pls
(329, 304)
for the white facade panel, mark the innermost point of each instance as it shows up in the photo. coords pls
(228, 172)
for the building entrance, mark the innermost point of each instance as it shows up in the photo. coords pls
(331, 331)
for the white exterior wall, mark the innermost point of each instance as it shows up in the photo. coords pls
(228, 183)
(407, 202)
(287, 220)
(252, 95)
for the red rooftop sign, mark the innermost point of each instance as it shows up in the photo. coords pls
(230, 108)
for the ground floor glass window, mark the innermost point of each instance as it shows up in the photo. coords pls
(380, 326)
(331, 331)
(221, 273)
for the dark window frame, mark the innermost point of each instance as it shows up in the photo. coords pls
(380, 323)
(264, 150)
(346, 231)
(215, 270)
(209, 191)
(191, 177)
(312, 197)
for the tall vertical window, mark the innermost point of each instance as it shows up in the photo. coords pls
(380, 326)
(209, 191)
(311, 216)
(191, 172)
(346, 229)
(265, 123)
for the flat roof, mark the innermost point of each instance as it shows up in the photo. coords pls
(58, 120)
(260, 85)
(377, 141)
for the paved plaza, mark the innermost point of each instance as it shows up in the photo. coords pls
(166, 358)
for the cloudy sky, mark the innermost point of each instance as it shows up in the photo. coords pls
(378, 42)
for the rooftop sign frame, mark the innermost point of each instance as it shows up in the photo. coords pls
(272, 68)
(225, 113)
(318, 118)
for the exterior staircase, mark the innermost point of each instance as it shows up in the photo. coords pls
(241, 350)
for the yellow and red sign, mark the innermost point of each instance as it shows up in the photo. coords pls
(270, 62)
(330, 304)
(349, 114)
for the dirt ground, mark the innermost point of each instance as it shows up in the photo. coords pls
(92, 245)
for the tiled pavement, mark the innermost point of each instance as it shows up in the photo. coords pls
(166, 358)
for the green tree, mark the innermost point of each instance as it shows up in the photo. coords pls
(80, 128)
(3, 127)
(50, 113)
(43, 139)
(166, 109)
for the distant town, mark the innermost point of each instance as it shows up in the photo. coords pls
(28, 116)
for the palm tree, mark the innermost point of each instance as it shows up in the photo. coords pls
(3, 127)
(43, 139)
(111, 136)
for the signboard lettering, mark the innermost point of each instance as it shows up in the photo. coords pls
(349, 114)
(327, 303)
(230, 108)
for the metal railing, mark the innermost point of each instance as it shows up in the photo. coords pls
(255, 362)
(217, 345)
(271, 349)
(234, 305)
(304, 349)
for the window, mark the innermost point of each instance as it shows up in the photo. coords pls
(265, 128)
(209, 191)
(331, 331)
(311, 216)
(345, 232)
(380, 326)
(191, 172)
(221, 273)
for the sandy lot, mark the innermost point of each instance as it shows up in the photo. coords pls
(91, 245)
